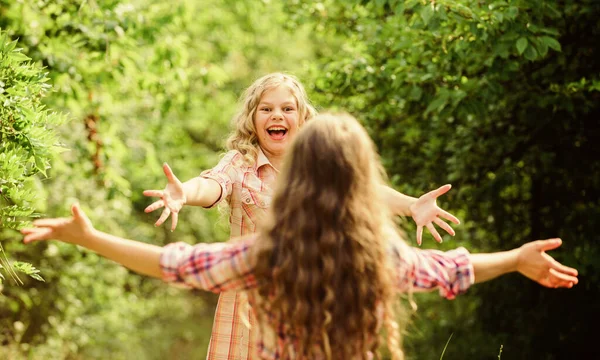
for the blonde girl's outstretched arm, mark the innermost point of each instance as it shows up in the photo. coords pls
(78, 230)
(198, 191)
(424, 210)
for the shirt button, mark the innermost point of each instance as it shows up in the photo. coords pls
(247, 200)
(262, 203)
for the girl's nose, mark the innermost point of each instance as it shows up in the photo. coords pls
(277, 115)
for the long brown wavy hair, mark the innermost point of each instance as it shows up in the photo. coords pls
(324, 247)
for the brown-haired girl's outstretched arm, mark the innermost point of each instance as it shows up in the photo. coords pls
(213, 267)
(453, 272)
(530, 260)
(78, 230)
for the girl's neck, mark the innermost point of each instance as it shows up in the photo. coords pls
(276, 161)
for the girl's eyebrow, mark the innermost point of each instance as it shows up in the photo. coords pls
(282, 104)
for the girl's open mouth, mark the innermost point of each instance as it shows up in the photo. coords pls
(277, 132)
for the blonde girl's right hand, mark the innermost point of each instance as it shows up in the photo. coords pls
(172, 198)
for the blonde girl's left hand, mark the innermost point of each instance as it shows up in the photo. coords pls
(425, 213)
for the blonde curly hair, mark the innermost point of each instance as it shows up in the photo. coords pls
(324, 247)
(244, 137)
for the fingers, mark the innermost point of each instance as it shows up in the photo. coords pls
(564, 278)
(36, 234)
(550, 244)
(434, 232)
(441, 190)
(26, 231)
(155, 205)
(446, 215)
(419, 235)
(174, 219)
(564, 269)
(444, 226)
(169, 174)
(77, 212)
(561, 268)
(165, 214)
(555, 279)
(155, 193)
(50, 222)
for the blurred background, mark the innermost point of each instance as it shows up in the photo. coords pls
(499, 98)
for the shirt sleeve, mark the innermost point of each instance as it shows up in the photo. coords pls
(450, 272)
(226, 173)
(213, 267)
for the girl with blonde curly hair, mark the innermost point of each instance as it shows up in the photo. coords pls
(272, 111)
(323, 270)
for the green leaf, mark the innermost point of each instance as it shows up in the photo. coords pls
(551, 43)
(438, 103)
(17, 56)
(521, 45)
(3, 38)
(415, 93)
(530, 53)
(463, 11)
(426, 13)
(542, 48)
(27, 269)
(41, 165)
(512, 12)
(37, 277)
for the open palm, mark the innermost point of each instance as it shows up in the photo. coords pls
(172, 198)
(425, 213)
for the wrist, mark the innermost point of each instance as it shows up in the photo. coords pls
(412, 203)
(87, 237)
(515, 260)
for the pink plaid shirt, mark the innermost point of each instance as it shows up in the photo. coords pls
(229, 267)
(248, 191)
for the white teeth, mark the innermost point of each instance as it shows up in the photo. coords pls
(275, 128)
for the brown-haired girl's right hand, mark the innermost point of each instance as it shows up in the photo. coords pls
(172, 198)
(74, 230)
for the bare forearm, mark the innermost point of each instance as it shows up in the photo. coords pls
(140, 257)
(492, 265)
(398, 203)
(200, 191)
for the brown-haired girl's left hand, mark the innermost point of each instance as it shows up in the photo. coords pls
(425, 213)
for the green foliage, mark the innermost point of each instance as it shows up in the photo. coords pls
(27, 143)
(27, 138)
(501, 100)
(141, 83)
(27, 269)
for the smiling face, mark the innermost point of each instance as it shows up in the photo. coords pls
(276, 121)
